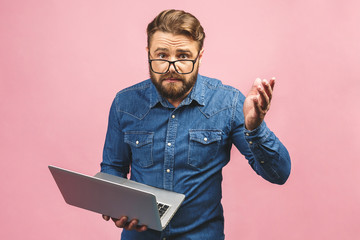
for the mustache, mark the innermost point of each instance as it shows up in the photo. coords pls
(172, 75)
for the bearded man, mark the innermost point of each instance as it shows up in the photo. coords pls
(176, 129)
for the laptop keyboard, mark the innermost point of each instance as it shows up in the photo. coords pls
(162, 208)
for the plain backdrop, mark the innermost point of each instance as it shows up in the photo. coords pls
(62, 62)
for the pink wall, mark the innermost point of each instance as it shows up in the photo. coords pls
(61, 63)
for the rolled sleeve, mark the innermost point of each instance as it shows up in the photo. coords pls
(265, 153)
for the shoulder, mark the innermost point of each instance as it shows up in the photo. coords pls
(217, 97)
(134, 100)
(215, 88)
(139, 88)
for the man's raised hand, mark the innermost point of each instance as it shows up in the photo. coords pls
(257, 102)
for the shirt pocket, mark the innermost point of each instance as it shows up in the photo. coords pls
(141, 144)
(203, 147)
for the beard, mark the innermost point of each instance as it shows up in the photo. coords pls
(172, 90)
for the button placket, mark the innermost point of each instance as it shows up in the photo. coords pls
(170, 152)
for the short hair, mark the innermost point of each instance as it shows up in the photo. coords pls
(177, 22)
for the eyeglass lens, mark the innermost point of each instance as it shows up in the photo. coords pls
(162, 66)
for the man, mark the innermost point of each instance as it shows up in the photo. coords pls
(176, 131)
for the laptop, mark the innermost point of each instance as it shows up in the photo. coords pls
(116, 197)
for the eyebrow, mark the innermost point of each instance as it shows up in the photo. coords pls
(177, 50)
(161, 49)
(184, 51)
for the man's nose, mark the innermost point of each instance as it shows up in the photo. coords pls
(172, 67)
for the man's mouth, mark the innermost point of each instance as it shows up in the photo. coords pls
(172, 80)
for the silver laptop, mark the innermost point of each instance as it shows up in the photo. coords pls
(116, 197)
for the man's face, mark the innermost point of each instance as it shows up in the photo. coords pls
(167, 46)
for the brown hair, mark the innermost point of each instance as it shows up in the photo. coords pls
(177, 22)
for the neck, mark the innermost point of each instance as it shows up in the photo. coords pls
(175, 102)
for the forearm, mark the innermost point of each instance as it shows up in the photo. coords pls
(120, 171)
(269, 157)
(116, 154)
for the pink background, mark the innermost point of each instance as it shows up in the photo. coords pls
(62, 62)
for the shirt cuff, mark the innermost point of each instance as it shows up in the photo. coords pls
(258, 135)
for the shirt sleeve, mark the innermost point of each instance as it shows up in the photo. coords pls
(265, 153)
(116, 154)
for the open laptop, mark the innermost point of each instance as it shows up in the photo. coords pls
(116, 197)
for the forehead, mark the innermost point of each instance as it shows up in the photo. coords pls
(171, 42)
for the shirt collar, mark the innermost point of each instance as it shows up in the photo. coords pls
(197, 94)
(156, 98)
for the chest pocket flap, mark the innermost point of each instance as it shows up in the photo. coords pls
(205, 136)
(141, 144)
(203, 147)
(138, 139)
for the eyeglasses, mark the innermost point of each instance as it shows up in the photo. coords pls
(161, 66)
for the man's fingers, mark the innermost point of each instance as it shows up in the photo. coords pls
(257, 105)
(132, 225)
(120, 223)
(123, 223)
(264, 98)
(141, 228)
(268, 88)
(253, 90)
(266, 91)
(257, 102)
(272, 83)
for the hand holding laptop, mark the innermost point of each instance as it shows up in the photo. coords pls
(123, 223)
(112, 196)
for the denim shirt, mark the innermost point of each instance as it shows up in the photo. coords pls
(184, 149)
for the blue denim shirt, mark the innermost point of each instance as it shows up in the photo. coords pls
(184, 149)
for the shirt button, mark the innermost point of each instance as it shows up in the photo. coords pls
(169, 144)
(173, 116)
(262, 162)
(247, 134)
(137, 142)
(205, 139)
(251, 142)
(167, 170)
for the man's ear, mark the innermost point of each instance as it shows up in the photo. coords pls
(201, 54)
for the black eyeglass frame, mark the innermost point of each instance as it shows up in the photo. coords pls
(173, 63)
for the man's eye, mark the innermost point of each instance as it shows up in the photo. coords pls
(183, 56)
(161, 55)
